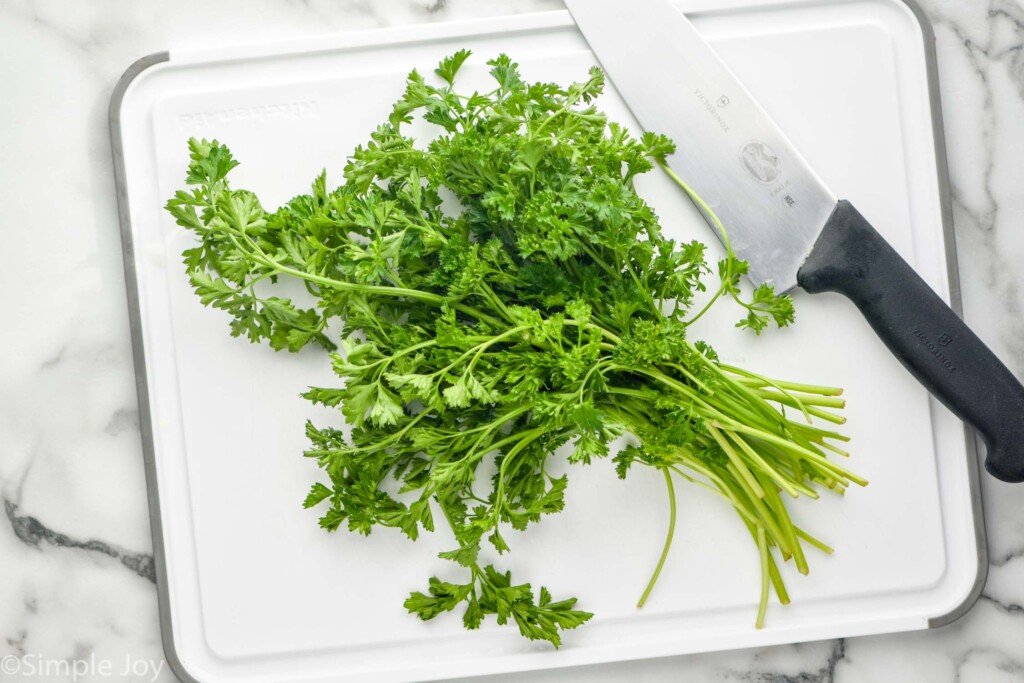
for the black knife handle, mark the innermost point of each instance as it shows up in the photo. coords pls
(931, 341)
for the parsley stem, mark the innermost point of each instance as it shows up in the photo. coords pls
(776, 579)
(823, 547)
(728, 490)
(586, 378)
(479, 349)
(811, 410)
(835, 449)
(701, 204)
(392, 438)
(806, 453)
(668, 537)
(757, 380)
(502, 419)
(496, 301)
(524, 441)
(604, 266)
(493, 447)
(718, 489)
(427, 297)
(706, 308)
(793, 400)
(763, 514)
(806, 399)
(678, 386)
(727, 279)
(690, 376)
(764, 466)
(762, 546)
(779, 509)
(736, 462)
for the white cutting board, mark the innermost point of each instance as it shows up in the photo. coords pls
(253, 590)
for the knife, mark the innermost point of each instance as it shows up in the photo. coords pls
(785, 222)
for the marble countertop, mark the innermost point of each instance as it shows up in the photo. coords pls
(76, 575)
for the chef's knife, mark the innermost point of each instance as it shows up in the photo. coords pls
(785, 222)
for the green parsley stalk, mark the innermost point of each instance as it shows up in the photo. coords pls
(503, 297)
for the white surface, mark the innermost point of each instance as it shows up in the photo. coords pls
(239, 608)
(70, 460)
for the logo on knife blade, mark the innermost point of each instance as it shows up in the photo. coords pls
(712, 108)
(761, 161)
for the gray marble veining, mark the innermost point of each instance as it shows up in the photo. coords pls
(32, 533)
(77, 571)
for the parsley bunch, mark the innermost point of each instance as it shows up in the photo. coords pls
(546, 310)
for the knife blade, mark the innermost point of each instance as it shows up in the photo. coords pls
(785, 222)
